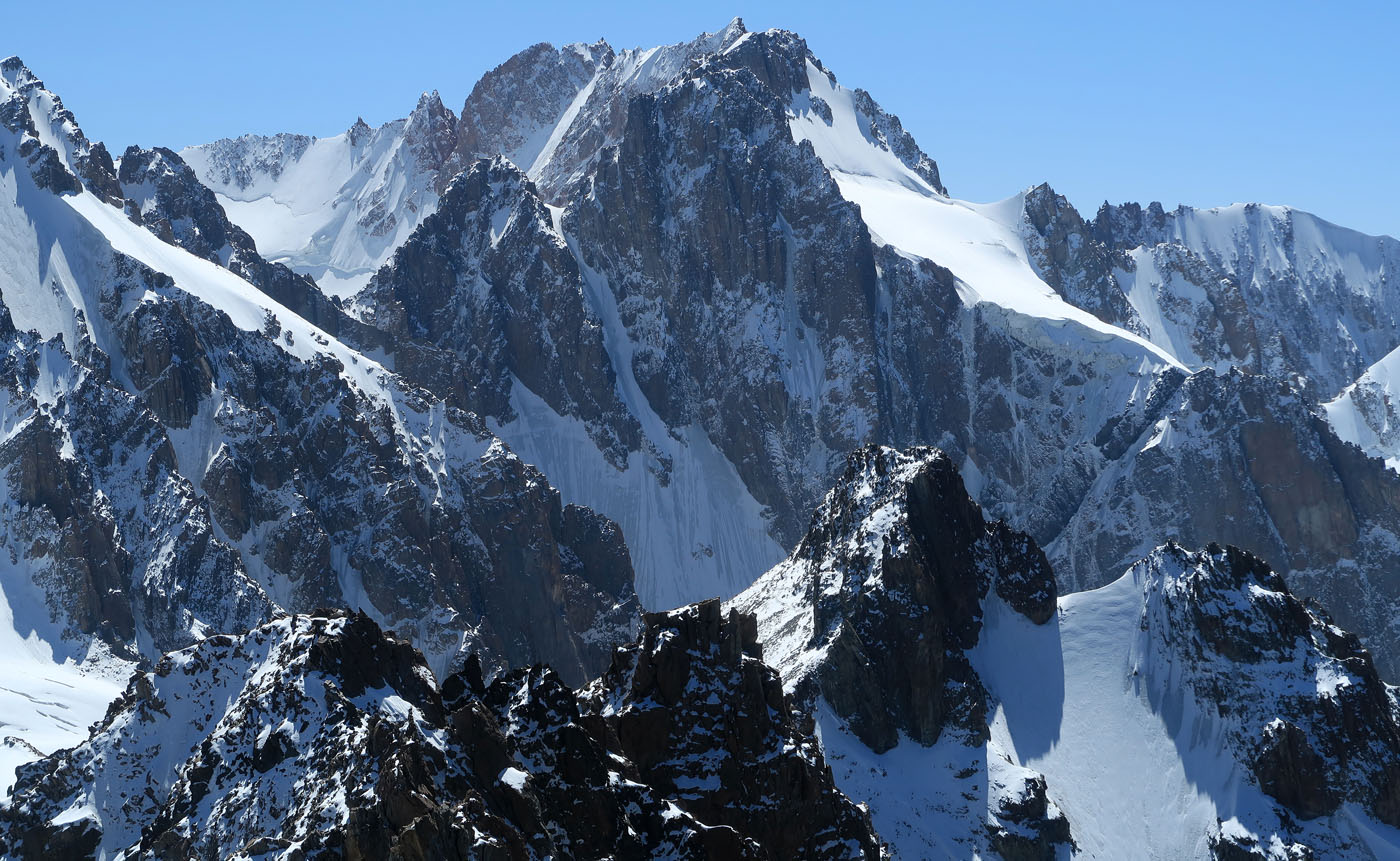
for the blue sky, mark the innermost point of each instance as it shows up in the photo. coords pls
(1197, 103)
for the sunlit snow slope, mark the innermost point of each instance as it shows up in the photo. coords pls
(51, 689)
(980, 243)
(334, 208)
(1366, 413)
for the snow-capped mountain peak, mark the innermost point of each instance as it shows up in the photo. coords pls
(632, 330)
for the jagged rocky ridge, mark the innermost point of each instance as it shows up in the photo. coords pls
(873, 621)
(188, 455)
(930, 646)
(743, 280)
(1269, 289)
(319, 736)
(699, 225)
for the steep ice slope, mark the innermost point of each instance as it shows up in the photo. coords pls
(693, 535)
(42, 245)
(1108, 704)
(1069, 709)
(699, 519)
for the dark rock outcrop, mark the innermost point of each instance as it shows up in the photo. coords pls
(1027, 828)
(1310, 718)
(893, 572)
(874, 618)
(319, 736)
(694, 707)
(488, 279)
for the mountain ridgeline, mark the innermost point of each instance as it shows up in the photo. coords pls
(699, 275)
(653, 459)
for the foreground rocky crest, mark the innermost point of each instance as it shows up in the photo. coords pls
(320, 736)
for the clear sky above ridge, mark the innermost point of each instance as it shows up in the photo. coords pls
(1197, 103)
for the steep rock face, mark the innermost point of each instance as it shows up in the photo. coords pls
(723, 329)
(488, 278)
(1306, 713)
(328, 490)
(599, 113)
(888, 583)
(514, 110)
(873, 620)
(1259, 469)
(844, 340)
(266, 463)
(163, 193)
(770, 298)
(318, 736)
(1070, 259)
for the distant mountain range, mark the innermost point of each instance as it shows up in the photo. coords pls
(446, 489)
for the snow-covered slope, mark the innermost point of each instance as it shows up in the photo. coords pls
(1365, 413)
(333, 208)
(980, 243)
(50, 691)
(184, 455)
(1191, 708)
